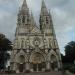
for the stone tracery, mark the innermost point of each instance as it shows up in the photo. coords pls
(34, 51)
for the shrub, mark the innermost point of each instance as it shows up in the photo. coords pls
(67, 66)
(72, 69)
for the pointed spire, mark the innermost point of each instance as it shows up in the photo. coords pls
(24, 7)
(53, 31)
(43, 4)
(50, 14)
(33, 22)
(24, 4)
(44, 17)
(43, 8)
(32, 18)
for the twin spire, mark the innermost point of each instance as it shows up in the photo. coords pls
(25, 3)
(27, 20)
(25, 7)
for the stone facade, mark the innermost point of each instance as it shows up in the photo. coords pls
(35, 48)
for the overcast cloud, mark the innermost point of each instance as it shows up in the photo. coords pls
(63, 14)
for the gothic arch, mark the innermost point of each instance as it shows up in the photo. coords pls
(21, 59)
(21, 63)
(21, 54)
(53, 57)
(54, 61)
(40, 54)
(52, 52)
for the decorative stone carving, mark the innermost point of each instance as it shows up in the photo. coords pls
(34, 45)
(36, 41)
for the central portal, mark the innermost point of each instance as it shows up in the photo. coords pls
(21, 64)
(37, 67)
(21, 67)
(37, 61)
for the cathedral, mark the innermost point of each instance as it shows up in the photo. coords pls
(35, 49)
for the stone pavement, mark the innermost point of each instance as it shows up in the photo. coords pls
(69, 73)
(38, 73)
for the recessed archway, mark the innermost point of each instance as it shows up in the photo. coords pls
(21, 59)
(54, 62)
(21, 64)
(37, 61)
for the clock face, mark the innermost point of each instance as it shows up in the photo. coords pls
(36, 41)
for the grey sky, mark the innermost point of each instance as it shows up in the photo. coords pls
(63, 14)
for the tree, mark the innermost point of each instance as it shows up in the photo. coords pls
(63, 58)
(70, 52)
(5, 46)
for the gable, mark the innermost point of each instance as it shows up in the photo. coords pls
(35, 29)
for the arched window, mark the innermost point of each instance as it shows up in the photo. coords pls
(21, 59)
(23, 19)
(53, 58)
(47, 21)
(37, 58)
(54, 63)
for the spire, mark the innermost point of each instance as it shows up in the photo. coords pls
(43, 8)
(24, 7)
(24, 4)
(32, 19)
(32, 16)
(24, 19)
(52, 24)
(43, 4)
(33, 23)
(44, 18)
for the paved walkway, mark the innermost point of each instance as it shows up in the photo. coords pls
(69, 73)
(38, 73)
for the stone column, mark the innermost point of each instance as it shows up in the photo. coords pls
(37, 67)
(27, 66)
(15, 68)
(59, 64)
(11, 65)
(47, 65)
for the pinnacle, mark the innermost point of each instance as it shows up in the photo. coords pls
(43, 4)
(24, 5)
(32, 18)
(24, 8)
(43, 8)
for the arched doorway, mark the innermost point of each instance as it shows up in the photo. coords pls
(54, 62)
(38, 62)
(21, 65)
